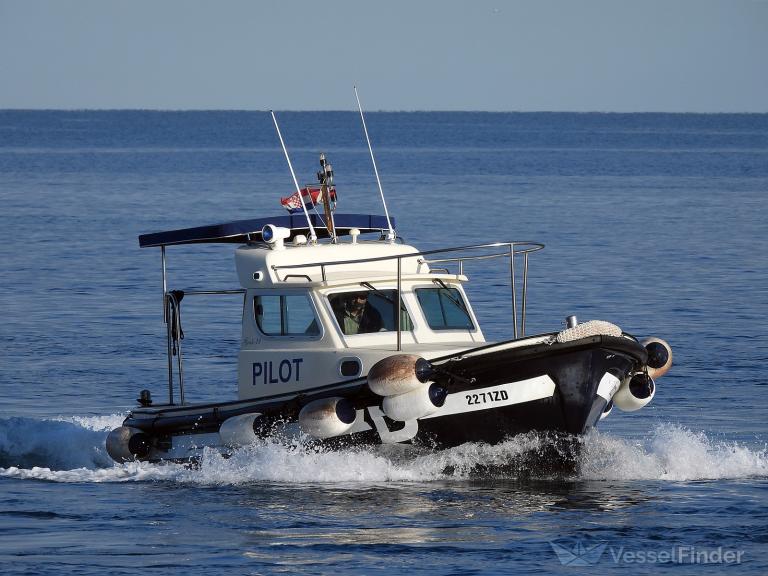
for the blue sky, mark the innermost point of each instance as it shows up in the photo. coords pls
(590, 55)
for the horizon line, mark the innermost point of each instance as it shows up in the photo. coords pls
(383, 111)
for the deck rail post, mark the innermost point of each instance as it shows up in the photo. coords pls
(525, 291)
(514, 292)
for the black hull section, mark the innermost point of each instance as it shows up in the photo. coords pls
(573, 408)
(569, 374)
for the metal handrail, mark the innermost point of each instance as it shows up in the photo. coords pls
(513, 248)
(534, 247)
(460, 259)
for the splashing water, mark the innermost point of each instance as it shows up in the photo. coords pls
(670, 453)
(72, 450)
(58, 444)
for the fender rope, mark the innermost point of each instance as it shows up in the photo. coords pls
(587, 329)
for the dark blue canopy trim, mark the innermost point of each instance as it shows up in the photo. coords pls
(242, 231)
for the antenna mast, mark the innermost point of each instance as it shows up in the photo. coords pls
(312, 235)
(391, 233)
(325, 175)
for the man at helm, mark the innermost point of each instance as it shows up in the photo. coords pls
(356, 315)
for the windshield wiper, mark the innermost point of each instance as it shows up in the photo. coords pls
(458, 301)
(378, 293)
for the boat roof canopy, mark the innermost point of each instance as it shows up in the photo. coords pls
(243, 231)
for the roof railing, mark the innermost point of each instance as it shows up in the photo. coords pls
(511, 249)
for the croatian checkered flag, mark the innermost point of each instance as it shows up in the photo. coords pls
(312, 196)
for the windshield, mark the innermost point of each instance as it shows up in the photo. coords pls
(444, 308)
(367, 311)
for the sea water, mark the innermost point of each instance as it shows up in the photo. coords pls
(654, 222)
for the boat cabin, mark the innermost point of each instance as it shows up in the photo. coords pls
(325, 312)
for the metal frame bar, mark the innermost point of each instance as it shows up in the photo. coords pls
(398, 312)
(165, 283)
(209, 292)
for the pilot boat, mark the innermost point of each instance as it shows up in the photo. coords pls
(324, 352)
(350, 336)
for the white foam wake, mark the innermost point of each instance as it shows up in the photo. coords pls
(58, 444)
(72, 450)
(671, 452)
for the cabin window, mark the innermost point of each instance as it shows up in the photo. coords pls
(285, 315)
(367, 311)
(444, 308)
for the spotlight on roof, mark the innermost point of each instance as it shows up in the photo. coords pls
(275, 236)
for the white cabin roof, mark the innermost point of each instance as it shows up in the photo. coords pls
(261, 266)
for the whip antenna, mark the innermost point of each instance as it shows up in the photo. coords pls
(391, 234)
(312, 235)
